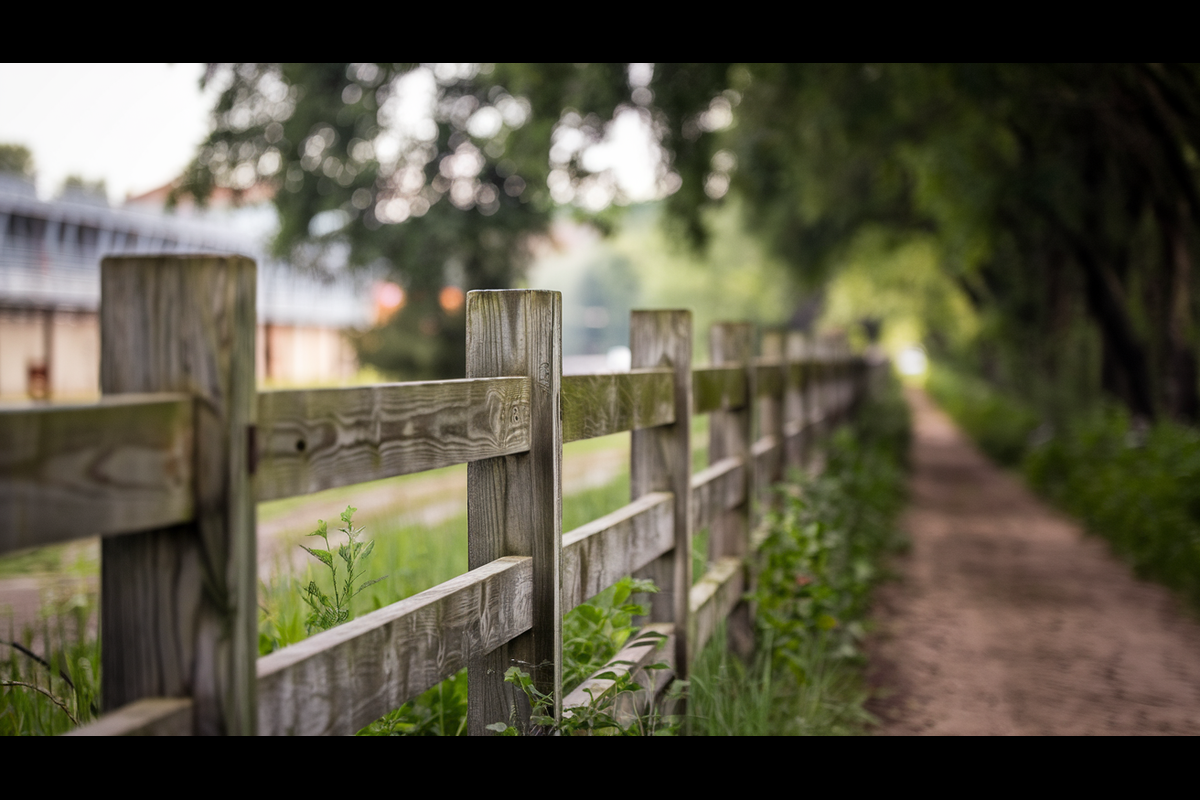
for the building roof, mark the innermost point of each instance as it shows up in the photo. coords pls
(50, 252)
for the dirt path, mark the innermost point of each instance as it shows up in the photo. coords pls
(1009, 620)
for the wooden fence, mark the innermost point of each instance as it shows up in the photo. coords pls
(169, 465)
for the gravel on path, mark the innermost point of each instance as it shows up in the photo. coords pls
(1009, 619)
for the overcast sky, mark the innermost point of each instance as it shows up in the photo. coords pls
(134, 125)
(138, 125)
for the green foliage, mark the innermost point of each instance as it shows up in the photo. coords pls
(433, 175)
(820, 559)
(1055, 195)
(328, 612)
(439, 711)
(1136, 485)
(594, 631)
(1000, 424)
(900, 281)
(611, 709)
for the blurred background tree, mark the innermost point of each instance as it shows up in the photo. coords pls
(1047, 214)
(16, 159)
(1061, 200)
(413, 172)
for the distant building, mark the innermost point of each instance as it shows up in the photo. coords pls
(50, 255)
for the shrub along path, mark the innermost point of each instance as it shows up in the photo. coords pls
(1008, 619)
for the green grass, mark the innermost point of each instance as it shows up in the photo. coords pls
(823, 554)
(727, 697)
(50, 673)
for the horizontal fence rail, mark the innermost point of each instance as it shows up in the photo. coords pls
(68, 472)
(315, 439)
(599, 405)
(131, 464)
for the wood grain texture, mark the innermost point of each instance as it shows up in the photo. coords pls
(336, 682)
(117, 466)
(600, 553)
(150, 716)
(661, 461)
(714, 597)
(769, 371)
(716, 489)
(730, 434)
(514, 503)
(718, 387)
(315, 439)
(599, 405)
(178, 609)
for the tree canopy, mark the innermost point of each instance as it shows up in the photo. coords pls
(1061, 199)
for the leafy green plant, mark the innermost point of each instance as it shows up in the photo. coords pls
(593, 632)
(328, 612)
(612, 707)
(439, 711)
(819, 560)
(1138, 486)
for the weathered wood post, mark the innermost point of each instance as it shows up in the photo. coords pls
(794, 407)
(177, 605)
(514, 503)
(662, 461)
(732, 343)
(819, 393)
(771, 408)
(845, 379)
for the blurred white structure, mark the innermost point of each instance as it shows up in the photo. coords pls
(50, 255)
(912, 361)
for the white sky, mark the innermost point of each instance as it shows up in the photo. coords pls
(134, 125)
(138, 125)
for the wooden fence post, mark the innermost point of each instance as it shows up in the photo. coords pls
(771, 410)
(514, 503)
(794, 406)
(662, 461)
(178, 609)
(818, 392)
(730, 436)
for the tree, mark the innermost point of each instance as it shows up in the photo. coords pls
(16, 158)
(1052, 191)
(415, 172)
(1062, 198)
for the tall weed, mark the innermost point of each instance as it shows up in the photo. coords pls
(50, 678)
